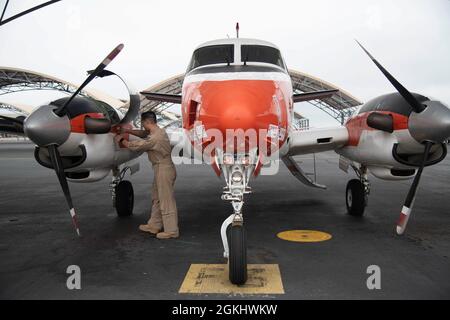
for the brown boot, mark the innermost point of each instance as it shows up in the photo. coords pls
(149, 229)
(167, 235)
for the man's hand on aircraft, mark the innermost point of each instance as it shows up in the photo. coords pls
(120, 139)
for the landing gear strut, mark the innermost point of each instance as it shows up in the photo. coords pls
(237, 174)
(357, 192)
(122, 193)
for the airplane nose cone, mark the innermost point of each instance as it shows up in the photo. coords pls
(238, 105)
(237, 115)
(44, 127)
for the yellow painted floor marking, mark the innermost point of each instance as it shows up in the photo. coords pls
(304, 236)
(213, 278)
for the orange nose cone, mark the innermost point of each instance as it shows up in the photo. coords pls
(237, 104)
(240, 109)
(237, 115)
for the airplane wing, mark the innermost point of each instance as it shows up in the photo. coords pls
(317, 140)
(312, 141)
(306, 96)
(162, 97)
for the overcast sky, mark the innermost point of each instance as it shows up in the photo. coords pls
(411, 38)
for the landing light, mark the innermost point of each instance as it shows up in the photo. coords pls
(245, 160)
(228, 159)
(236, 176)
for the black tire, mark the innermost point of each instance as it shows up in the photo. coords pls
(124, 199)
(237, 261)
(355, 198)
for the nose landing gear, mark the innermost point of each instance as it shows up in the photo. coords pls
(235, 241)
(235, 248)
(237, 261)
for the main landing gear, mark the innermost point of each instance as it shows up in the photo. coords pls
(122, 193)
(357, 192)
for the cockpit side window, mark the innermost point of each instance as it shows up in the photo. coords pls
(258, 53)
(212, 55)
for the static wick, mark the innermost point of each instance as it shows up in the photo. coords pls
(237, 30)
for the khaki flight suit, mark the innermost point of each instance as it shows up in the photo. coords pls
(164, 209)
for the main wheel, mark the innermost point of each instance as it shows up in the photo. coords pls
(124, 199)
(355, 198)
(237, 261)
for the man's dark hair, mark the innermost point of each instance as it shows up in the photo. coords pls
(148, 115)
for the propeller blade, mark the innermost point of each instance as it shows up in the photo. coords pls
(2, 22)
(413, 102)
(110, 57)
(57, 165)
(409, 201)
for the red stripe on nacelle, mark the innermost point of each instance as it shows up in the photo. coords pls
(357, 124)
(77, 123)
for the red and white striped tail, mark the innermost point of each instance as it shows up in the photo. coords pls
(403, 220)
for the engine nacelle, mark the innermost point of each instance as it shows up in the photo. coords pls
(87, 175)
(392, 174)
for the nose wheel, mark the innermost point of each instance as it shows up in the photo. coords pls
(233, 233)
(237, 261)
(235, 248)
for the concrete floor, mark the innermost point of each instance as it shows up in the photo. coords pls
(37, 241)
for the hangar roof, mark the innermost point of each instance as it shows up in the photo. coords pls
(15, 80)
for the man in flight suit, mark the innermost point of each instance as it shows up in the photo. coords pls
(155, 142)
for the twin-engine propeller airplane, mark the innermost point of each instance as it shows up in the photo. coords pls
(237, 106)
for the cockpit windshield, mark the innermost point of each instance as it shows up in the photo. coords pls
(259, 53)
(212, 55)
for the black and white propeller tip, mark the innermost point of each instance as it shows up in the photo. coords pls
(410, 198)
